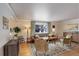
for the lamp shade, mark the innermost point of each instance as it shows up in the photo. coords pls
(53, 29)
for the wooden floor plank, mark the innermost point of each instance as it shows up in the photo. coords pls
(24, 50)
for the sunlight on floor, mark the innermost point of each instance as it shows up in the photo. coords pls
(24, 50)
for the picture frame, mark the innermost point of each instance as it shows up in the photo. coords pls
(41, 28)
(5, 23)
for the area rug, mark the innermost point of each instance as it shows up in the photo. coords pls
(54, 49)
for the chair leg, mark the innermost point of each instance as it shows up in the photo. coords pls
(36, 53)
(63, 44)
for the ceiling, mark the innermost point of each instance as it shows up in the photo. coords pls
(46, 11)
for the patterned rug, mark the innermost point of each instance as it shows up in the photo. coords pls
(54, 49)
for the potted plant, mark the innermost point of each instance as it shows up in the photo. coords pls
(16, 30)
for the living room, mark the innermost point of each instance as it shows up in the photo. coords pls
(29, 22)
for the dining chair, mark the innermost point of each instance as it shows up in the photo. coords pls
(41, 47)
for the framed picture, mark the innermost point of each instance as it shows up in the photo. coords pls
(5, 23)
(41, 28)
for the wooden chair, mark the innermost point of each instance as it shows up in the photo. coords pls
(41, 47)
(67, 41)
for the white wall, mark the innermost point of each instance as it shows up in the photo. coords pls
(70, 22)
(61, 26)
(4, 36)
(4, 33)
(23, 25)
(65, 25)
(56, 27)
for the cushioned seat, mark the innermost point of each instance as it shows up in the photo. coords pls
(53, 38)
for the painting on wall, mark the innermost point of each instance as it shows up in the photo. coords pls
(5, 23)
(41, 28)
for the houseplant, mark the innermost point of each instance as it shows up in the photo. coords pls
(16, 30)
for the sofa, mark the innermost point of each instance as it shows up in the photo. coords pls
(53, 38)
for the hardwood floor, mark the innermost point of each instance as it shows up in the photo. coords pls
(74, 52)
(24, 50)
